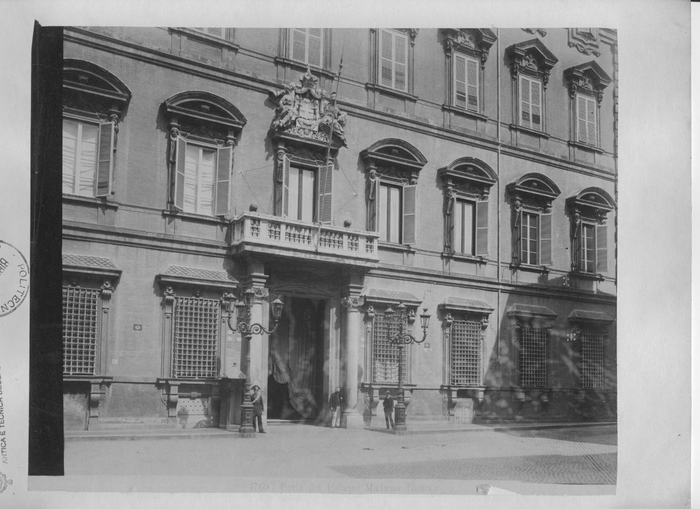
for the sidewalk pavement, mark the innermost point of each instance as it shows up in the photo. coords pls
(414, 427)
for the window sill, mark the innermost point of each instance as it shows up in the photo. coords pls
(527, 130)
(464, 112)
(392, 246)
(88, 378)
(584, 146)
(301, 66)
(390, 91)
(464, 257)
(196, 217)
(86, 200)
(206, 38)
(542, 269)
(586, 275)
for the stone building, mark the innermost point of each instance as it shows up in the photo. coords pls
(466, 174)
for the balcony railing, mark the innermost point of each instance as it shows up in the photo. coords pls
(287, 237)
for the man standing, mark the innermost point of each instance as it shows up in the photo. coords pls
(389, 410)
(336, 408)
(258, 407)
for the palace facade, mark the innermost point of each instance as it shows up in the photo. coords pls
(465, 174)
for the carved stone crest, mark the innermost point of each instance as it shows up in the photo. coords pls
(305, 110)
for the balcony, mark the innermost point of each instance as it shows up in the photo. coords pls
(278, 236)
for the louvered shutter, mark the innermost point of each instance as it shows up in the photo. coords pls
(409, 214)
(576, 262)
(525, 117)
(400, 60)
(373, 209)
(536, 105)
(179, 191)
(105, 160)
(223, 180)
(517, 234)
(601, 243)
(546, 239)
(582, 125)
(472, 85)
(450, 211)
(325, 193)
(285, 188)
(592, 124)
(460, 83)
(482, 228)
(386, 59)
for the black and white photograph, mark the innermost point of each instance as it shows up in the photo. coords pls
(351, 264)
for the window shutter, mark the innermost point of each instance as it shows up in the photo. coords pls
(482, 228)
(223, 180)
(581, 110)
(179, 191)
(325, 193)
(460, 95)
(105, 160)
(592, 137)
(472, 85)
(386, 59)
(450, 212)
(409, 214)
(546, 239)
(518, 220)
(373, 208)
(285, 188)
(524, 102)
(576, 262)
(536, 104)
(601, 243)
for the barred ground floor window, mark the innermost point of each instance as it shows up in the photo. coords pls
(196, 337)
(592, 359)
(81, 329)
(385, 355)
(465, 353)
(533, 357)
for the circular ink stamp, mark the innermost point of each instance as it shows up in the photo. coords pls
(14, 278)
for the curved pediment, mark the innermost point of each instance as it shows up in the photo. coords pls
(593, 198)
(205, 106)
(394, 150)
(535, 183)
(469, 168)
(91, 78)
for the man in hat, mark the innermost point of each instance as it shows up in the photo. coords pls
(389, 410)
(258, 408)
(336, 407)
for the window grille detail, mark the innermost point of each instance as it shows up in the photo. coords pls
(196, 343)
(80, 330)
(592, 361)
(533, 357)
(385, 356)
(465, 362)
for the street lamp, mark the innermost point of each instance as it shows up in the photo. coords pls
(400, 339)
(247, 330)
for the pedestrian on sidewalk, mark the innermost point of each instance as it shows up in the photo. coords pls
(389, 410)
(258, 407)
(336, 407)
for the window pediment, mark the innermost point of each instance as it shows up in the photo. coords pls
(531, 57)
(89, 88)
(592, 203)
(535, 190)
(473, 41)
(587, 78)
(395, 159)
(203, 107)
(468, 175)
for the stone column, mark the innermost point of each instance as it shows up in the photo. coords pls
(258, 343)
(351, 418)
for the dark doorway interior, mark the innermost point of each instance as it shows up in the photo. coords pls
(295, 383)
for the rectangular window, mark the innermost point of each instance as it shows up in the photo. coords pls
(530, 103)
(302, 194)
(196, 338)
(202, 178)
(465, 350)
(533, 357)
(590, 248)
(466, 83)
(87, 157)
(213, 31)
(385, 355)
(307, 45)
(592, 359)
(390, 213)
(393, 60)
(464, 228)
(587, 248)
(529, 238)
(81, 312)
(586, 111)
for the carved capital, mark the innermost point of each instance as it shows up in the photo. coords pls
(106, 290)
(169, 296)
(370, 313)
(352, 303)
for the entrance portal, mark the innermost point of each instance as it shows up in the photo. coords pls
(295, 383)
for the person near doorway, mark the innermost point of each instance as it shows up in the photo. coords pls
(258, 407)
(389, 410)
(336, 407)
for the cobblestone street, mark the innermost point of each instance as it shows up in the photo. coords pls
(308, 458)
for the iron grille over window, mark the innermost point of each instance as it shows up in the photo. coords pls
(385, 356)
(80, 330)
(592, 365)
(465, 366)
(196, 345)
(533, 357)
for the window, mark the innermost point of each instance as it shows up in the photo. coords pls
(219, 32)
(306, 193)
(532, 197)
(203, 131)
(393, 51)
(586, 85)
(93, 102)
(385, 355)
(464, 227)
(466, 83)
(392, 176)
(592, 359)
(589, 230)
(533, 357)
(306, 45)
(196, 337)
(531, 63)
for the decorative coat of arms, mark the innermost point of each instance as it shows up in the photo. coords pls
(306, 110)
